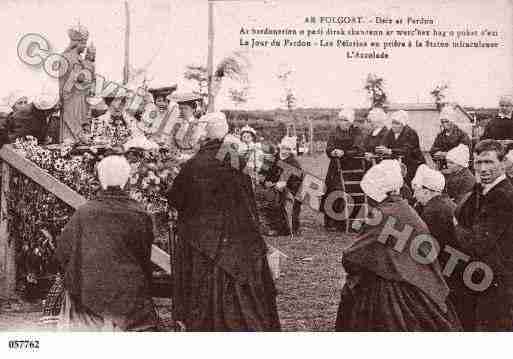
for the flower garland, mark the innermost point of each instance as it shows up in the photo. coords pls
(37, 216)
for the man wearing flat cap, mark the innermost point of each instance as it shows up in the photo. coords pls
(74, 85)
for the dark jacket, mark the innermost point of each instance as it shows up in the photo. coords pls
(217, 213)
(27, 121)
(448, 139)
(105, 252)
(498, 128)
(438, 213)
(370, 253)
(459, 183)
(406, 145)
(371, 142)
(293, 182)
(486, 236)
(351, 141)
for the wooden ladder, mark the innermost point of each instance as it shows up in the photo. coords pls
(365, 204)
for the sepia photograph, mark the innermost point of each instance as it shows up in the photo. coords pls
(255, 166)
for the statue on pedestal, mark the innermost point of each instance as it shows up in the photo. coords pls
(74, 85)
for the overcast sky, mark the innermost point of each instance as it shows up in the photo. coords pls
(169, 34)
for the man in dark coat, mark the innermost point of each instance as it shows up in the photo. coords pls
(403, 142)
(32, 119)
(222, 278)
(345, 143)
(449, 137)
(501, 127)
(486, 235)
(105, 252)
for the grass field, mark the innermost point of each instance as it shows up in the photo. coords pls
(308, 289)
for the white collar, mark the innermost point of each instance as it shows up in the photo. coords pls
(377, 131)
(488, 187)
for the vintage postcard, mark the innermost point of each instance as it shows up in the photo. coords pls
(255, 165)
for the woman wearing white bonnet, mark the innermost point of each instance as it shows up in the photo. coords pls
(449, 136)
(403, 141)
(387, 289)
(377, 120)
(109, 278)
(345, 143)
(219, 243)
(459, 179)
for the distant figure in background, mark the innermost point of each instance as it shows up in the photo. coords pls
(251, 152)
(501, 127)
(386, 289)
(449, 137)
(104, 251)
(403, 141)
(73, 85)
(458, 178)
(278, 217)
(16, 101)
(345, 142)
(222, 280)
(32, 119)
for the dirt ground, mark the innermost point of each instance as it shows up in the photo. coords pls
(308, 289)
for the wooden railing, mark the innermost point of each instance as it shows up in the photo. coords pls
(11, 158)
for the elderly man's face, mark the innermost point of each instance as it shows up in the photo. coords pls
(488, 166)
(505, 107)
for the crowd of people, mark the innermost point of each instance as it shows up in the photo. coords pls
(388, 288)
(222, 280)
(221, 276)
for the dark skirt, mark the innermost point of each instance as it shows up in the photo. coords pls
(377, 304)
(271, 211)
(208, 299)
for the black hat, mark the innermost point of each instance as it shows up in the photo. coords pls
(162, 91)
(186, 99)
